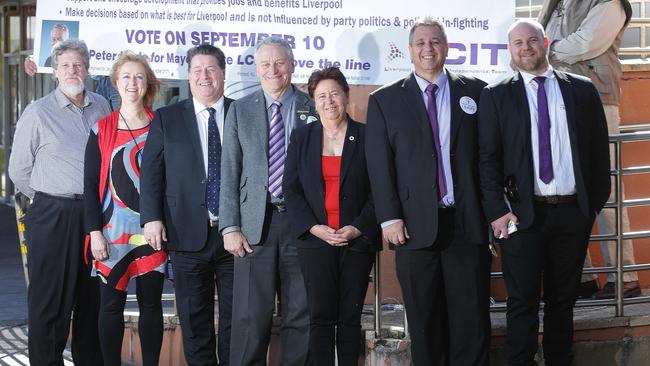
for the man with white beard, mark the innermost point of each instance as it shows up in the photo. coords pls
(46, 164)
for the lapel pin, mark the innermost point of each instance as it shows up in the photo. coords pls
(351, 138)
(303, 117)
(468, 105)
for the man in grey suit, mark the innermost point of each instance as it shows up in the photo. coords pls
(252, 214)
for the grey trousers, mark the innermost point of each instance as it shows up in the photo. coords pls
(272, 267)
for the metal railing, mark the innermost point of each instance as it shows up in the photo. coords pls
(618, 204)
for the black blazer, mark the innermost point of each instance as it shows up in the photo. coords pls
(403, 167)
(304, 192)
(505, 146)
(173, 180)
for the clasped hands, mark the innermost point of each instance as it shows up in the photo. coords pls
(333, 237)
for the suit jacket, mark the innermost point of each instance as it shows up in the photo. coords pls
(244, 162)
(402, 161)
(304, 190)
(506, 148)
(173, 180)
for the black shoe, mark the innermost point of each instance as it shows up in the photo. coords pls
(630, 289)
(587, 289)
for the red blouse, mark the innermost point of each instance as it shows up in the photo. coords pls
(331, 167)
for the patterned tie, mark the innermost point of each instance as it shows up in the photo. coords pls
(432, 111)
(543, 133)
(276, 150)
(214, 164)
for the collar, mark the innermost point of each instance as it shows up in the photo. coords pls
(528, 77)
(441, 81)
(199, 108)
(284, 99)
(63, 101)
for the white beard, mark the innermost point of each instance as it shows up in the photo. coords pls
(73, 89)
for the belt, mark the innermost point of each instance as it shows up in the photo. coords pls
(556, 200)
(449, 210)
(277, 207)
(213, 223)
(67, 196)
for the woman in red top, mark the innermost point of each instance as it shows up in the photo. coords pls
(327, 192)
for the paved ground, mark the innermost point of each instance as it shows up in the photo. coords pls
(13, 346)
(13, 293)
(13, 296)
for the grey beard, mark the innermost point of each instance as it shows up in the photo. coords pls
(73, 89)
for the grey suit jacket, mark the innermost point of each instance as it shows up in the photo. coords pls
(244, 162)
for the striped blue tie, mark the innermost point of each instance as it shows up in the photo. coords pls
(276, 150)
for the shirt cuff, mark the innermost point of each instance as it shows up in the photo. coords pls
(389, 222)
(230, 229)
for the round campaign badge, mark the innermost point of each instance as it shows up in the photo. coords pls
(468, 105)
(303, 117)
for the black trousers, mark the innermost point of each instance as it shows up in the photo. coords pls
(446, 293)
(60, 283)
(551, 251)
(196, 275)
(149, 288)
(271, 268)
(336, 279)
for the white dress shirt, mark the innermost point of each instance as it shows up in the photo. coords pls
(563, 182)
(443, 105)
(202, 116)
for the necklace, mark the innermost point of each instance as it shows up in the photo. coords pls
(130, 133)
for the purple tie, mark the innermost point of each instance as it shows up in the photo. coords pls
(276, 150)
(543, 133)
(432, 111)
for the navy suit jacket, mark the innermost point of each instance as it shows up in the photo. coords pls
(173, 180)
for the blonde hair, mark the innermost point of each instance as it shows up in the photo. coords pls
(153, 84)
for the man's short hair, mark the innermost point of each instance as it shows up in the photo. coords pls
(532, 23)
(428, 22)
(75, 45)
(276, 41)
(207, 49)
(63, 28)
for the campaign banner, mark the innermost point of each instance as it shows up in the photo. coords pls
(368, 40)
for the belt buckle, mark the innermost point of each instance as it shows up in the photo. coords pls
(213, 223)
(553, 200)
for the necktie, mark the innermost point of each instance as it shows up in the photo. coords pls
(214, 164)
(276, 150)
(432, 111)
(543, 133)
